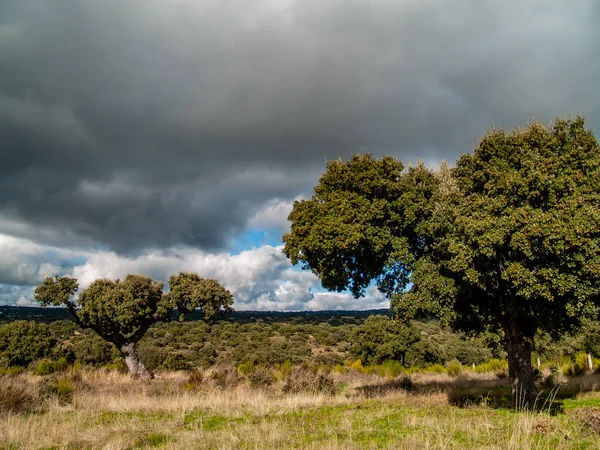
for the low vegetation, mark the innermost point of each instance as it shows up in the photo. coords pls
(262, 380)
(251, 340)
(296, 408)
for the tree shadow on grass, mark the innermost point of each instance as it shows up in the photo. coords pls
(375, 390)
(466, 392)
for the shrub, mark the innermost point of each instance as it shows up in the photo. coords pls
(90, 349)
(22, 342)
(329, 359)
(567, 369)
(63, 329)
(64, 389)
(61, 389)
(591, 339)
(246, 368)
(436, 368)
(60, 365)
(380, 338)
(493, 365)
(304, 379)
(283, 371)
(453, 368)
(390, 369)
(44, 367)
(576, 367)
(12, 371)
(554, 378)
(261, 377)
(356, 365)
(581, 360)
(195, 380)
(468, 351)
(151, 356)
(15, 396)
(176, 361)
(118, 365)
(206, 355)
(225, 378)
(596, 363)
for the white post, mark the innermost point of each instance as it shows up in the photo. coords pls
(539, 363)
(590, 363)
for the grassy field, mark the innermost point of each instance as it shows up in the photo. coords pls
(102, 409)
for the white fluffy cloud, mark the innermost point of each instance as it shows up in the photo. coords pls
(23, 262)
(344, 301)
(260, 279)
(248, 274)
(273, 215)
(16, 295)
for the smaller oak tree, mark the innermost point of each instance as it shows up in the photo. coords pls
(121, 311)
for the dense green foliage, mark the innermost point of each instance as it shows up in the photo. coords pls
(119, 310)
(188, 292)
(256, 339)
(518, 236)
(22, 342)
(352, 230)
(508, 241)
(380, 339)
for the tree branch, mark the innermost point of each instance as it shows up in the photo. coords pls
(141, 331)
(71, 308)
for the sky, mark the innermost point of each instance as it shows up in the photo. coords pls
(159, 136)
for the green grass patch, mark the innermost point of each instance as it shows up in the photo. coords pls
(110, 417)
(592, 401)
(151, 440)
(213, 422)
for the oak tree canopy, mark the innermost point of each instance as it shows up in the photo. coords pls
(121, 311)
(507, 240)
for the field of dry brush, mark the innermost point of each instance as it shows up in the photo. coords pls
(100, 409)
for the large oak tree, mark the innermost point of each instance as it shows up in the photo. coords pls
(509, 239)
(121, 311)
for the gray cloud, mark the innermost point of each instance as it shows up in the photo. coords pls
(260, 279)
(146, 124)
(273, 216)
(16, 295)
(24, 263)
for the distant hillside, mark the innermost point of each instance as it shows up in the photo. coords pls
(10, 313)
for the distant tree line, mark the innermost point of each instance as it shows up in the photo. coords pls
(330, 341)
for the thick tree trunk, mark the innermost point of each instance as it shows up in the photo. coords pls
(518, 345)
(135, 366)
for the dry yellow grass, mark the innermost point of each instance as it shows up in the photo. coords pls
(110, 411)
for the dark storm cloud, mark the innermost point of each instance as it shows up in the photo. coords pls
(137, 124)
